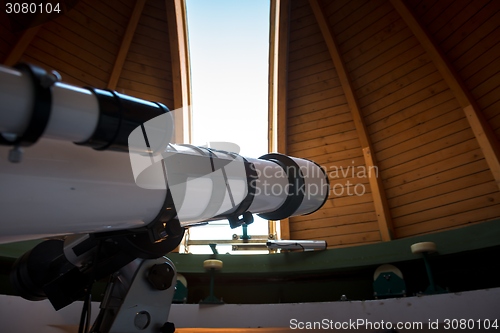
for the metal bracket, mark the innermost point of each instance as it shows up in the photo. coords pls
(138, 298)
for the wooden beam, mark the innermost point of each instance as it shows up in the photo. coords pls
(179, 51)
(379, 198)
(18, 50)
(278, 85)
(126, 41)
(485, 136)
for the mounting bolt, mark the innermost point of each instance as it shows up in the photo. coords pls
(160, 276)
(15, 154)
(142, 320)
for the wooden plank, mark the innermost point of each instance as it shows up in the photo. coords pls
(304, 32)
(328, 84)
(52, 40)
(379, 199)
(486, 138)
(490, 84)
(321, 132)
(64, 68)
(381, 49)
(408, 102)
(406, 121)
(342, 141)
(97, 22)
(387, 57)
(350, 141)
(125, 44)
(377, 73)
(442, 187)
(319, 54)
(492, 111)
(301, 23)
(321, 233)
(321, 157)
(152, 62)
(377, 33)
(352, 239)
(310, 79)
(485, 59)
(419, 162)
(433, 204)
(81, 33)
(435, 11)
(484, 51)
(333, 221)
(458, 20)
(317, 114)
(20, 47)
(465, 218)
(71, 58)
(422, 134)
(360, 31)
(160, 84)
(354, 13)
(143, 87)
(179, 53)
(145, 69)
(301, 54)
(448, 14)
(340, 211)
(405, 192)
(484, 80)
(309, 69)
(313, 98)
(305, 42)
(76, 41)
(468, 35)
(320, 123)
(452, 157)
(415, 114)
(410, 78)
(320, 105)
(490, 198)
(69, 79)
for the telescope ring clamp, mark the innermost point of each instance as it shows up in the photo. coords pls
(241, 215)
(42, 83)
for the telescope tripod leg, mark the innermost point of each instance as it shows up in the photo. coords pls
(138, 298)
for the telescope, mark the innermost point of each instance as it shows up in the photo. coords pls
(97, 173)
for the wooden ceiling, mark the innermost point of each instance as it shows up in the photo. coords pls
(409, 89)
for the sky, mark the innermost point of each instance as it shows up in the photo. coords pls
(229, 53)
(229, 67)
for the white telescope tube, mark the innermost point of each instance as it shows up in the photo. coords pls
(63, 188)
(74, 113)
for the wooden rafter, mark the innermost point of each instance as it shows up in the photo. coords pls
(484, 134)
(278, 60)
(126, 41)
(379, 198)
(18, 50)
(178, 38)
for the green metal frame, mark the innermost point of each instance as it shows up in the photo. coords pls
(471, 237)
